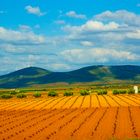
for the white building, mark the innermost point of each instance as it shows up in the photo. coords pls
(136, 89)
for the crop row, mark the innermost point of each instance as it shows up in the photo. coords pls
(64, 124)
(71, 102)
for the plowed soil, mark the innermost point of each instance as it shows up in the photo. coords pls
(95, 117)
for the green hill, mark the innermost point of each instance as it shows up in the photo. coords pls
(102, 74)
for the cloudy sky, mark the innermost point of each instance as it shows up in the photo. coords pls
(68, 34)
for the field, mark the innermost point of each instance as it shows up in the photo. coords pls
(92, 117)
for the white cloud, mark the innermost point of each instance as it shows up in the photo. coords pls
(19, 37)
(73, 14)
(34, 10)
(25, 28)
(134, 35)
(107, 30)
(92, 26)
(96, 25)
(97, 56)
(9, 48)
(107, 38)
(87, 43)
(120, 16)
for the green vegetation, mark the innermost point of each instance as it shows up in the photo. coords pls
(120, 91)
(52, 93)
(37, 94)
(101, 92)
(94, 75)
(13, 92)
(21, 95)
(123, 91)
(68, 93)
(6, 96)
(131, 91)
(116, 92)
(23, 91)
(84, 92)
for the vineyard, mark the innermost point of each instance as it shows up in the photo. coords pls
(91, 117)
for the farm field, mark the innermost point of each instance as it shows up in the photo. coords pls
(92, 117)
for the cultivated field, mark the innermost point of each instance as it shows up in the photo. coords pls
(92, 117)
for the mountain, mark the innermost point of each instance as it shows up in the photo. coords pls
(102, 74)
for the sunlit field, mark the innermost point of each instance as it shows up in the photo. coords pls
(38, 116)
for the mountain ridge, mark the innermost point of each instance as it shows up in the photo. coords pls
(99, 73)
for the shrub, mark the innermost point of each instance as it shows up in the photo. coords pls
(119, 91)
(6, 96)
(22, 91)
(84, 92)
(52, 93)
(37, 95)
(21, 95)
(131, 91)
(101, 92)
(68, 93)
(13, 92)
(122, 91)
(116, 92)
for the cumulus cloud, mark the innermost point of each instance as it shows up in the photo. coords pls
(20, 49)
(107, 38)
(120, 16)
(87, 43)
(73, 14)
(112, 36)
(92, 26)
(34, 10)
(134, 35)
(19, 37)
(97, 56)
(108, 29)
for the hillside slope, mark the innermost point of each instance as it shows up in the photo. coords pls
(33, 75)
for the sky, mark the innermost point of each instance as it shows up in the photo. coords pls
(68, 34)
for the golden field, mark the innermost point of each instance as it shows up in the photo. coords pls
(92, 117)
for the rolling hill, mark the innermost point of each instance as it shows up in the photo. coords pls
(103, 74)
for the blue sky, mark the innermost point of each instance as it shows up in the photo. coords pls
(66, 35)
